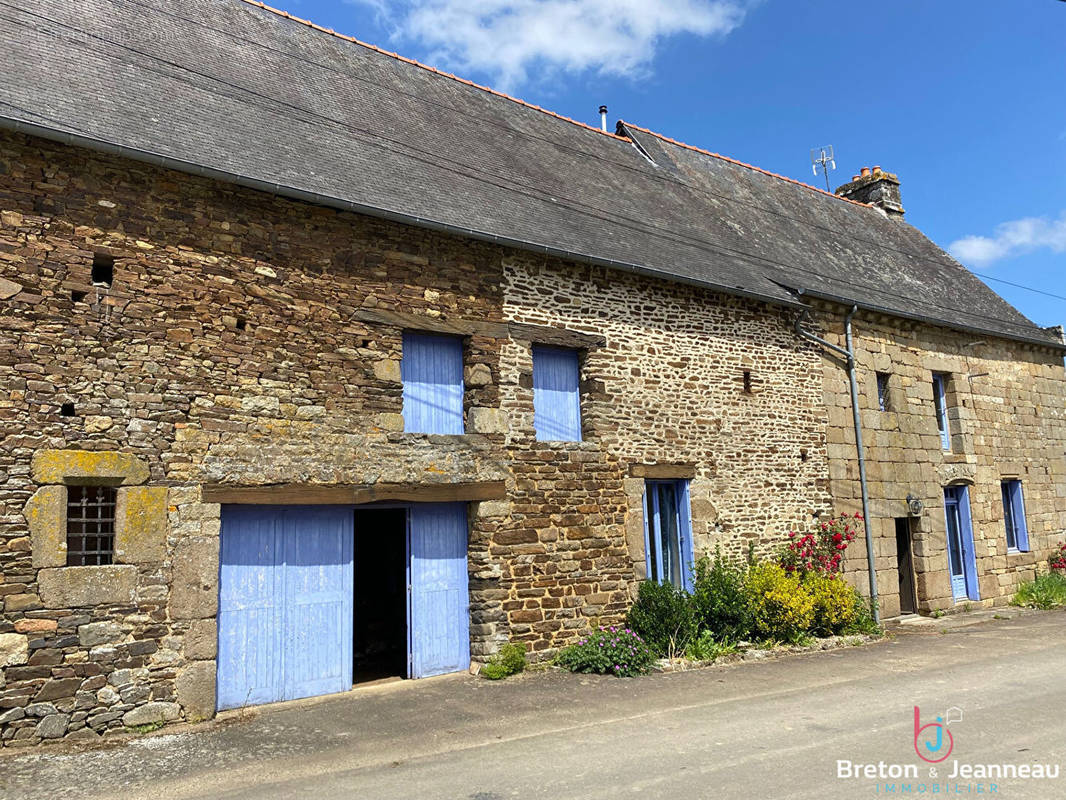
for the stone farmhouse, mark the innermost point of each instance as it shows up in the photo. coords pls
(319, 366)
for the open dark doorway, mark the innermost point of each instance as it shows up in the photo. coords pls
(908, 602)
(380, 602)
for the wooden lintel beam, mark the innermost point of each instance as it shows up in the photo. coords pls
(431, 492)
(348, 494)
(663, 471)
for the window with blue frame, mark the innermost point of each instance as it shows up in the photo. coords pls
(556, 394)
(668, 533)
(941, 402)
(432, 374)
(1014, 516)
(883, 400)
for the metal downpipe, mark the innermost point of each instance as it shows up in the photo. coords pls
(849, 356)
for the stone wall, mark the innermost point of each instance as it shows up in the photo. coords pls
(1007, 418)
(224, 352)
(690, 384)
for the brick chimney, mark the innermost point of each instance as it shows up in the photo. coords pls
(877, 187)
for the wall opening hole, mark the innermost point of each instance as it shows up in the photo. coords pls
(76, 295)
(747, 381)
(241, 323)
(66, 410)
(103, 270)
(803, 455)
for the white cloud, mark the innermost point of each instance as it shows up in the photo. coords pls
(514, 41)
(1011, 239)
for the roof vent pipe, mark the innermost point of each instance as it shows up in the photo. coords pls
(603, 118)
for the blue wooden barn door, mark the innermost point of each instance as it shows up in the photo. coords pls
(317, 623)
(248, 609)
(285, 603)
(439, 599)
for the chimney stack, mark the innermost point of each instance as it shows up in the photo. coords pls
(877, 187)
(603, 118)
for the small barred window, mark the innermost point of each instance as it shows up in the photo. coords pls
(90, 525)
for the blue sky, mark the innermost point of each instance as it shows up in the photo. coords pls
(963, 99)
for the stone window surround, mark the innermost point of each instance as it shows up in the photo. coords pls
(140, 525)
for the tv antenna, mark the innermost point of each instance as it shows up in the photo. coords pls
(823, 157)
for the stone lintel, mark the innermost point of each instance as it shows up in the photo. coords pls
(84, 466)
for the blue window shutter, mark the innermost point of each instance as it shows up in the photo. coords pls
(1021, 529)
(940, 399)
(650, 561)
(432, 373)
(969, 556)
(556, 394)
(685, 516)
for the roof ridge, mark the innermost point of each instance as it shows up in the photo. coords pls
(739, 163)
(406, 60)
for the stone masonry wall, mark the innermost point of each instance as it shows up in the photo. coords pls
(668, 391)
(224, 352)
(1007, 417)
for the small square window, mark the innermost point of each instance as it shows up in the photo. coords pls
(884, 401)
(90, 525)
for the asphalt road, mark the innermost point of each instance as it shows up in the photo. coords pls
(764, 729)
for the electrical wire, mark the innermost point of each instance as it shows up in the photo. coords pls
(508, 183)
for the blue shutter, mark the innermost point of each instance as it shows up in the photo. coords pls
(439, 597)
(684, 514)
(651, 559)
(969, 556)
(1017, 502)
(556, 394)
(432, 373)
(940, 399)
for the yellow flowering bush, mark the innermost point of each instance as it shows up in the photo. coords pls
(834, 602)
(782, 608)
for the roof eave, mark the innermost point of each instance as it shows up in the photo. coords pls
(891, 312)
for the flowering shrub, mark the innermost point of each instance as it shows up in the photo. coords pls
(835, 604)
(608, 651)
(781, 607)
(821, 551)
(1058, 560)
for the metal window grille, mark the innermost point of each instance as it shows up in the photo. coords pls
(90, 525)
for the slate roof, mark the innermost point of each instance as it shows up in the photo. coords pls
(236, 90)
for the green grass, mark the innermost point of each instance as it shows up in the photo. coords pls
(148, 727)
(707, 648)
(1047, 591)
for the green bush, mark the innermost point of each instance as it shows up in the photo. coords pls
(510, 660)
(834, 602)
(706, 647)
(609, 651)
(721, 605)
(781, 607)
(1047, 591)
(665, 617)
